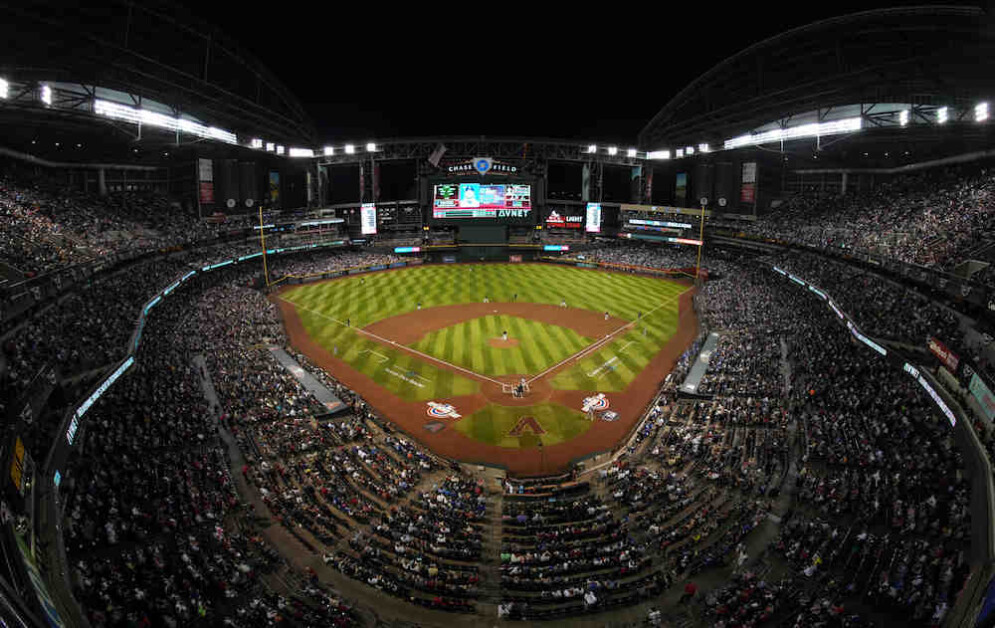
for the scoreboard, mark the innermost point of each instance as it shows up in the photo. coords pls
(481, 200)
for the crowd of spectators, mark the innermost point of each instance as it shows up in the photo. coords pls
(931, 218)
(329, 261)
(45, 226)
(881, 308)
(644, 255)
(155, 530)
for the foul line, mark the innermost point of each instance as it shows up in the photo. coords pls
(607, 338)
(394, 344)
(382, 356)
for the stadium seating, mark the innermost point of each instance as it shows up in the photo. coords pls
(800, 457)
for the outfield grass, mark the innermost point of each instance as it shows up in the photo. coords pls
(466, 344)
(613, 366)
(387, 294)
(365, 299)
(409, 377)
(494, 423)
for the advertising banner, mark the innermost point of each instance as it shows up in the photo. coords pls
(983, 396)
(593, 224)
(205, 168)
(206, 193)
(563, 220)
(680, 191)
(748, 193)
(750, 172)
(368, 218)
(945, 355)
(274, 187)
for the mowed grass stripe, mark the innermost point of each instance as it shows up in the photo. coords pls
(596, 291)
(520, 330)
(534, 353)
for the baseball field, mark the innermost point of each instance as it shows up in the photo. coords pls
(497, 362)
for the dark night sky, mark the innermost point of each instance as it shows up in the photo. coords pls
(376, 70)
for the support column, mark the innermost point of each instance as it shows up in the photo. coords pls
(101, 182)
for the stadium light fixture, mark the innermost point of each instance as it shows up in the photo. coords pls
(371, 147)
(301, 152)
(257, 143)
(4, 88)
(46, 94)
(702, 148)
(613, 150)
(117, 111)
(816, 129)
(592, 148)
(679, 153)
(280, 150)
(689, 150)
(631, 152)
(658, 154)
(270, 147)
(942, 115)
(903, 117)
(350, 149)
(981, 112)
(329, 151)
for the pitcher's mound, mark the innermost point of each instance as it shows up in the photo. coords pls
(498, 343)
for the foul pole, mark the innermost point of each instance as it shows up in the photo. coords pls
(262, 243)
(701, 238)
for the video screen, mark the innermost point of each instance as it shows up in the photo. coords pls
(481, 200)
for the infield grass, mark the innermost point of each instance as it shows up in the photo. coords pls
(467, 344)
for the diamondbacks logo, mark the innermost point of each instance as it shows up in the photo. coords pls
(526, 423)
(442, 411)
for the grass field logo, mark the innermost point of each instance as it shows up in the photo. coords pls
(442, 411)
(526, 423)
(596, 403)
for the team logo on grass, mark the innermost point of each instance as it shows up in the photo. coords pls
(596, 403)
(434, 427)
(442, 411)
(526, 423)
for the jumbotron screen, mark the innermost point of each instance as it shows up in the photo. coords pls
(481, 200)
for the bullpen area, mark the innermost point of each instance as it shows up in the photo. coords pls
(523, 366)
